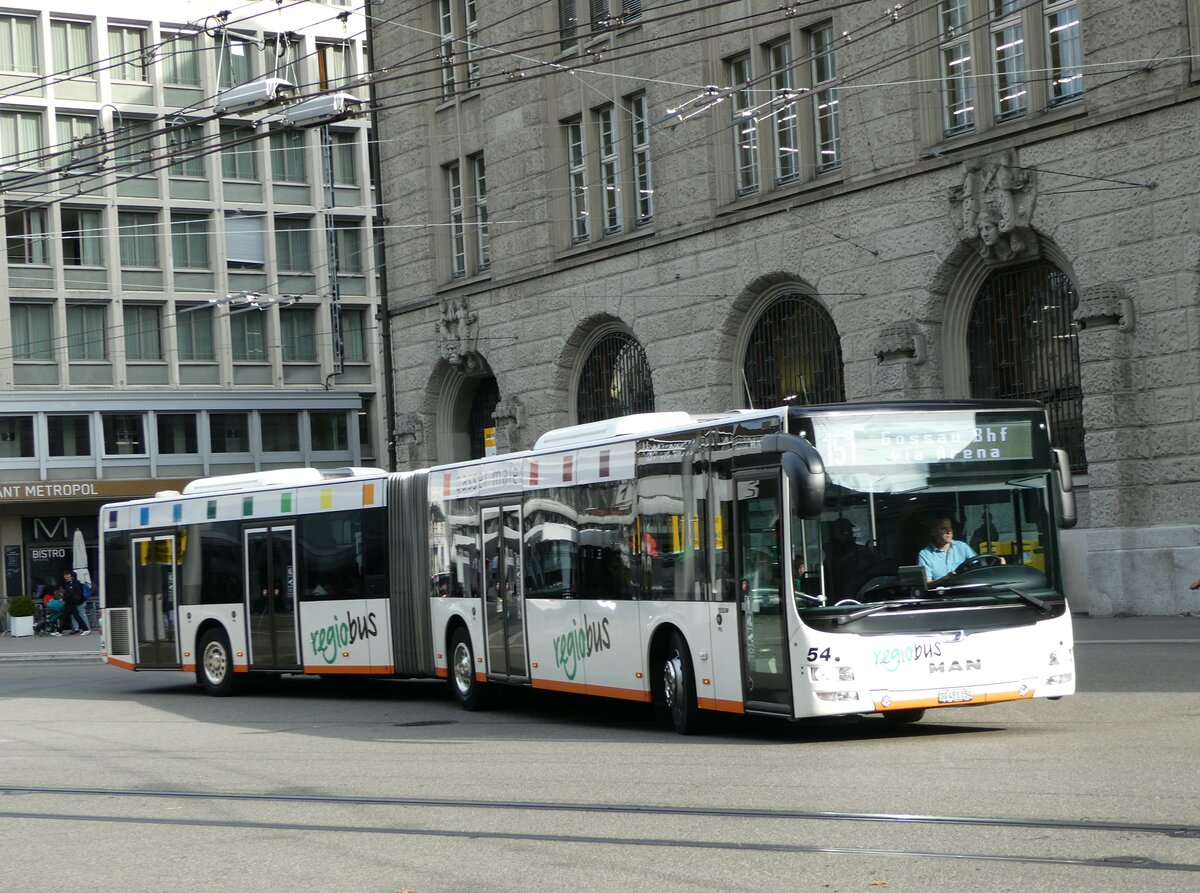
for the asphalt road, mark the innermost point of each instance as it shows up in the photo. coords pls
(125, 782)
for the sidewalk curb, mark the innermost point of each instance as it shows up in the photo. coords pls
(52, 655)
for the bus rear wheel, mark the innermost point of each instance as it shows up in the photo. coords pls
(679, 687)
(215, 669)
(468, 690)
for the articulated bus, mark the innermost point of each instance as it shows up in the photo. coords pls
(758, 561)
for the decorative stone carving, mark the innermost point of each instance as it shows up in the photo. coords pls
(456, 332)
(1104, 306)
(409, 430)
(993, 207)
(900, 342)
(510, 420)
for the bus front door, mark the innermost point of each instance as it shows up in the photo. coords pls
(155, 565)
(761, 609)
(271, 597)
(503, 593)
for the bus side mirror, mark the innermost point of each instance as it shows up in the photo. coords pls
(804, 470)
(1067, 516)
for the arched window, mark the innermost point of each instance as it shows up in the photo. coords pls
(481, 417)
(1023, 344)
(794, 355)
(615, 380)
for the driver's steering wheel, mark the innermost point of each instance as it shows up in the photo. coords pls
(979, 561)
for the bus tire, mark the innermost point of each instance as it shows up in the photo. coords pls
(467, 689)
(904, 717)
(679, 687)
(215, 668)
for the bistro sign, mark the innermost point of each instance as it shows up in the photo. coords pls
(37, 491)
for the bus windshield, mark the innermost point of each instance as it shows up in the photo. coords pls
(914, 506)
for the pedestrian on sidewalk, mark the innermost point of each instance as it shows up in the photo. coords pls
(74, 598)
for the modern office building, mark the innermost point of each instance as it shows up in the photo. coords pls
(174, 260)
(700, 207)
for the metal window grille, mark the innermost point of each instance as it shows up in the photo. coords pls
(482, 414)
(1023, 343)
(615, 380)
(794, 355)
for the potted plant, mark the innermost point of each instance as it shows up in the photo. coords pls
(20, 616)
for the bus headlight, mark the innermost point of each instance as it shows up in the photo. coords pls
(826, 673)
(1060, 679)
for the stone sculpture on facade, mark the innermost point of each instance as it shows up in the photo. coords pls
(456, 333)
(993, 207)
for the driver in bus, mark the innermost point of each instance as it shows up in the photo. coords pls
(944, 554)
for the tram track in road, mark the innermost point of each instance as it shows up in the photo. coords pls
(1124, 862)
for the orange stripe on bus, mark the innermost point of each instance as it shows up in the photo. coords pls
(982, 698)
(604, 691)
(721, 704)
(441, 672)
(189, 668)
(123, 664)
(480, 677)
(241, 668)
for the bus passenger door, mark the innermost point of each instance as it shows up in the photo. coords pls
(154, 574)
(271, 597)
(761, 610)
(503, 594)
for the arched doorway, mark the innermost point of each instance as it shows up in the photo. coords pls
(614, 380)
(793, 355)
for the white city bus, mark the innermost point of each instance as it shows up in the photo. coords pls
(758, 562)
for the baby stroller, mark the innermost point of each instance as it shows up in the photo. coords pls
(51, 617)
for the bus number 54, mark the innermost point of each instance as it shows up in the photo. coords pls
(813, 654)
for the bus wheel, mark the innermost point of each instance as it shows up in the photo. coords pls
(468, 691)
(679, 687)
(216, 664)
(903, 717)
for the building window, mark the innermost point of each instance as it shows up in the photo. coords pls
(18, 44)
(244, 241)
(288, 158)
(333, 66)
(229, 432)
(135, 148)
(328, 431)
(354, 334)
(138, 238)
(610, 187)
(639, 127)
(177, 433)
(577, 180)
(194, 333)
(247, 338)
(458, 45)
(297, 335)
(32, 331)
(743, 125)
(16, 437)
(78, 142)
(124, 434)
(233, 60)
(26, 237)
(348, 234)
(793, 355)
(127, 49)
(86, 324)
(21, 139)
(615, 380)
(568, 24)
(458, 233)
(787, 127)
(345, 157)
(286, 52)
(239, 153)
(188, 150)
(292, 240)
(483, 245)
(181, 62)
(72, 46)
(1030, 53)
(142, 332)
(1023, 344)
(446, 46)
(280, 432)
(189, 241)
(826, 129)
(82, 237)
(69, 435)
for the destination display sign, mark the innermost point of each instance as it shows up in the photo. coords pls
(894, 439)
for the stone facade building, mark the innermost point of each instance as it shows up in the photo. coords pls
(606, 207)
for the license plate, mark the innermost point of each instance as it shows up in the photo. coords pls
(954, 696)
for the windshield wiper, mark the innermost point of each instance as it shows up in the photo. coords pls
(1022, 595)
(875, 609)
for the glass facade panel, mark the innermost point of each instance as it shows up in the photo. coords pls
(69, 435)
